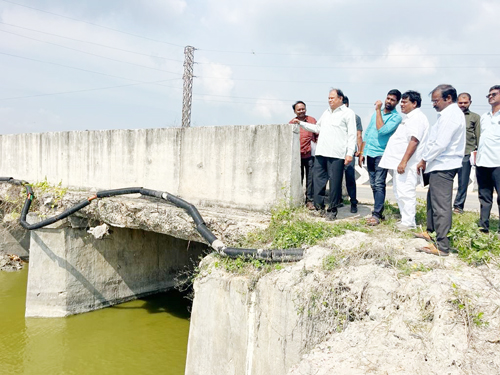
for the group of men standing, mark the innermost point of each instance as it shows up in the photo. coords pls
(415, 151)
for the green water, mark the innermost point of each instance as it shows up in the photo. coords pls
(147, 336)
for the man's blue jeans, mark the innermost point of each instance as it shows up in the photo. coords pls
(377, 182)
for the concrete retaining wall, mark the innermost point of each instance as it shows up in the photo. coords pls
(234, 166)
(71, 272)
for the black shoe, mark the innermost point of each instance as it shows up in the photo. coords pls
(331, 215)
(354, 208)
(340, 205)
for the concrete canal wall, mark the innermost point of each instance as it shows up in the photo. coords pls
(250, 167)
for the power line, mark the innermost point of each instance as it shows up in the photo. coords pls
(70, 67)
(88, 53)
(93, 43)
(355, 67)
(350, 55)
(94, 89)
(93, 24)
(324, 82)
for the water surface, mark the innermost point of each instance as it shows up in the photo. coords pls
(147, 336)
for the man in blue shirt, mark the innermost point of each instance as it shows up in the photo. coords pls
(383, 124)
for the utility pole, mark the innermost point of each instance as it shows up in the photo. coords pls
(187, 98)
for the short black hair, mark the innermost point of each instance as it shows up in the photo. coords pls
(465, 94)
(496, 87)
(445, 91)
(339, 93)
(396, 93)
(413, 96)
(298, 102)
(346, 101)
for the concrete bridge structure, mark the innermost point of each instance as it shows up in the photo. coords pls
(218, 169)
(230, 173)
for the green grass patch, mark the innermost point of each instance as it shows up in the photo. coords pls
(472, 245)
(245, 265)
(295, 227)
(406, 267)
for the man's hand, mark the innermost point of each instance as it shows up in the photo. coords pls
(295, 121)
(347, 160)
(361, 159)
(421, 166)
(402, 167)
(378, 105)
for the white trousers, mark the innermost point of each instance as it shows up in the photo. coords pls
(405, 192)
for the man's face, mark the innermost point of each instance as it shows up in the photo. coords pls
(438, 103)
(494, 97)
(407, 106)
(391, 102)
(464, 102)
(334, 100)
(300, 110)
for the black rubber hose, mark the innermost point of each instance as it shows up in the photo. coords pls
(111, 193)
(53, 219)
(206, 233)
(192, 211)
(151, 193)
(273, 254)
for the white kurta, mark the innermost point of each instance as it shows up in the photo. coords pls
(414, 124)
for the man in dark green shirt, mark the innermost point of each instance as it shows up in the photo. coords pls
(472, 121)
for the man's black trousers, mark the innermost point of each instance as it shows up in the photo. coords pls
(327, 169)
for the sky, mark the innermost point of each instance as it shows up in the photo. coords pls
(118, 64)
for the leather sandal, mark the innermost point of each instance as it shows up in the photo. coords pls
(433, 250)
(373, 221)
(424, 236)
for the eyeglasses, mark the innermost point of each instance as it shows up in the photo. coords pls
(436, 101)
(492, 95)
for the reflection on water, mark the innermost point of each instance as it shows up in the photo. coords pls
(147, 336)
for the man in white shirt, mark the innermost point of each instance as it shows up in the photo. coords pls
(442, 155)
(488, 159)
(335, 147)
(406, 141)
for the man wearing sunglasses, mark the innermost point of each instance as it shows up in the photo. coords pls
(488, 159)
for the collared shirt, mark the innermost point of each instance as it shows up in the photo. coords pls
(376, 139)
(445, 142)
(337, 132)
(488, 153)
(472, 121)
(414, 124)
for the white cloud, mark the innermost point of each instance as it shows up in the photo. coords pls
(215, 79)
(271, 109)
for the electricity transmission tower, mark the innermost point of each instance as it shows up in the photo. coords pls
(187, 98)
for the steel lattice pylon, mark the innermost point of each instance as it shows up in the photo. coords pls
(187, 98)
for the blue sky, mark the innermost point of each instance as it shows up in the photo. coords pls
(77, 65)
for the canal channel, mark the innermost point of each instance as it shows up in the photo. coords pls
(146, 336)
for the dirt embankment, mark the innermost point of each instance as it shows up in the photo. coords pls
(396, 311)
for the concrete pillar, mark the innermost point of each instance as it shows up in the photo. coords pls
(71, 272)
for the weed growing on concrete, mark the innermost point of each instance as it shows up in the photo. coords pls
(467, 311)
(244, 265)
(329, 307)
(294, 227)
(57, 191)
